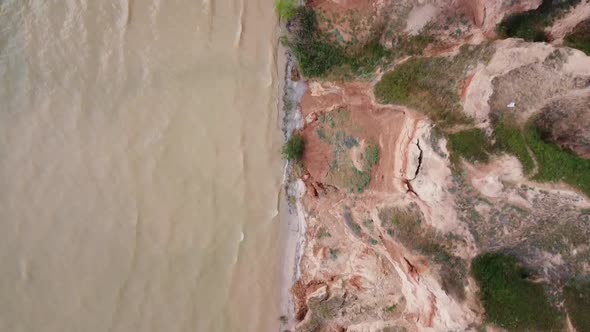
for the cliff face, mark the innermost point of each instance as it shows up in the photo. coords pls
(395, 213)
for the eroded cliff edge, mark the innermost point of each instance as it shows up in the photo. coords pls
(438, 154)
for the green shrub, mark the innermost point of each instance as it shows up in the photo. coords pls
(293, 148)
(510, 300)
(372, 155)
(556, 164)
(531, 25)
(286, 8)
(470, 144)
(577, 303)
(510, 139)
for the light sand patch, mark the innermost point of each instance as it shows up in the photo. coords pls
(489, 179)
(418, 18)
(356, 153)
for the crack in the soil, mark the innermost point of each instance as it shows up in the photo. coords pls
(413, 270)
(407, 182)
(410, 188)
(419, 160)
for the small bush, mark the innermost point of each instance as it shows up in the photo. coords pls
(510, 139)
(372, 155)
(286, 9)
(510, 300)
(577, 303)
(293, 148)
(471, 145)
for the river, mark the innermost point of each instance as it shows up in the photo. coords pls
(139, 166)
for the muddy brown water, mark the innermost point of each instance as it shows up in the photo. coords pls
(139, 166)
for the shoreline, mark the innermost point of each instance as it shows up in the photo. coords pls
(291, 211)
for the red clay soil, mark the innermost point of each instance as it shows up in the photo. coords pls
(465, 86)
(298, 291)
(368, 121)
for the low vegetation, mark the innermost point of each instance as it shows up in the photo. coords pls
(351, 224)
(556, 164)
(319, 54)
(372, 155)
(510, 139)
(553, 163)
(343, 173)
(430, 85)
(510, 300)
(286, 9)
(471, 144)
(577, 303)
(531, 25)
(528, 145)
(293, 148)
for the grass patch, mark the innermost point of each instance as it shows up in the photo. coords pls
(318, 54)
(372, 155)
(530, 25)
(471, 144)
(580, 37)
(286, 9)
(510, 139)
(510, 300)
(556, 164)
(390, 309)
(577, 303)
(430, 84)
(293, 148)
